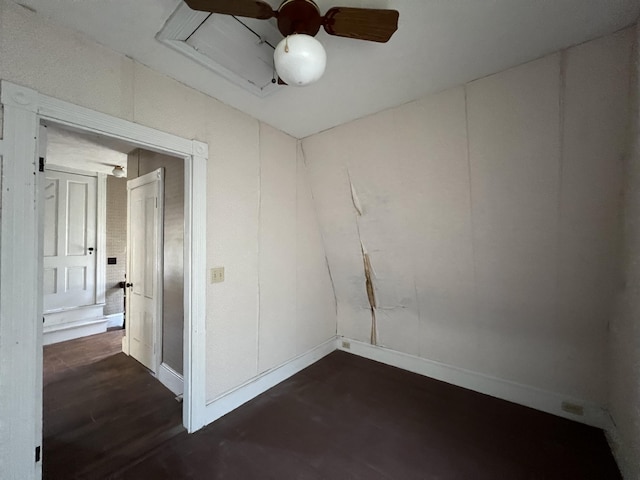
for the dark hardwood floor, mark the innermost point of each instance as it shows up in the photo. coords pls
(65, 357)
(350, 418)
(103, 411)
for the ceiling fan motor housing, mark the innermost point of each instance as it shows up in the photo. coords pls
(299, 16)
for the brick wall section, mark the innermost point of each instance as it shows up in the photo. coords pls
(116, 243)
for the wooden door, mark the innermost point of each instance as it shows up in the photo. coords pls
(144, 268)
(69, 259)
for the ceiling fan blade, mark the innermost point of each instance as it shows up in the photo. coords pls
(376, 25)
(239, 8)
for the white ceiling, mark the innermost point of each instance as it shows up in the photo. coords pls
(439, 43)
(85, 151)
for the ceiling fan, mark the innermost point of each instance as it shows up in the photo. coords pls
(299, 58)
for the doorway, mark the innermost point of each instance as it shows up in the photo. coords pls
(21, 266)
(101, 410)
(91, 229)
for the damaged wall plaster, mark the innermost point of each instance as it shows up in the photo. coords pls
(490, 214)
(371, 295)
(368, 270)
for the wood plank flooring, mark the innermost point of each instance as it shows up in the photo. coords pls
(103, 411)
(64, 357)
(350, 418)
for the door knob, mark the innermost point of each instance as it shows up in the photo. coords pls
(91, 249)
(128, 285)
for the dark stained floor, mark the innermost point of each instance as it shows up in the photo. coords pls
(65, 357)
(103, 411)
(350, 418)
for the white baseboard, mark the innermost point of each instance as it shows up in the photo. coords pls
(538, 399)
(73, 315)
(115, 320)
(232, 399)
(171, 379)
(72, 330)
(543, 400)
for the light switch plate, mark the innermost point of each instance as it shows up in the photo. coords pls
(217, 274)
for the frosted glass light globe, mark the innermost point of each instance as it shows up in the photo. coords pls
(300, 59)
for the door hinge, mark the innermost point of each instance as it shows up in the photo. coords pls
(37, 453)
(41, 165)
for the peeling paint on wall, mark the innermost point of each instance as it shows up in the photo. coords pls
(368, 269)
(371, 295)
(478, 226)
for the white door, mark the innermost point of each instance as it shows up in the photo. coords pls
(69, 269)
(144, 268)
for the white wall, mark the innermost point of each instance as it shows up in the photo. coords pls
(625, 327)
(490, 215)
(288, 227)
(68, 66)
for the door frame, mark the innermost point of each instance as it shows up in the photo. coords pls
(154, 176)
(21, 223)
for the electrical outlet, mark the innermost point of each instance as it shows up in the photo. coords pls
(573, 408)
(346, 344)
(217, 275)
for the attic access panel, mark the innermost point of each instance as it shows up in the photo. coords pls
(238, 49)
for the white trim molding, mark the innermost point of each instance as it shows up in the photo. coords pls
(101, 238)
(64, 315)
(20, 288)
(72, 330)
(543, 400)
(115, 320)
(195, 275)
(87, 120)
(21, 264)
(170, 379)
(184, 22)
(240, 395)
(69, 323)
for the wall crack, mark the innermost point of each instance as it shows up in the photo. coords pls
(366, 260)
(371, 294)
(354, 196)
